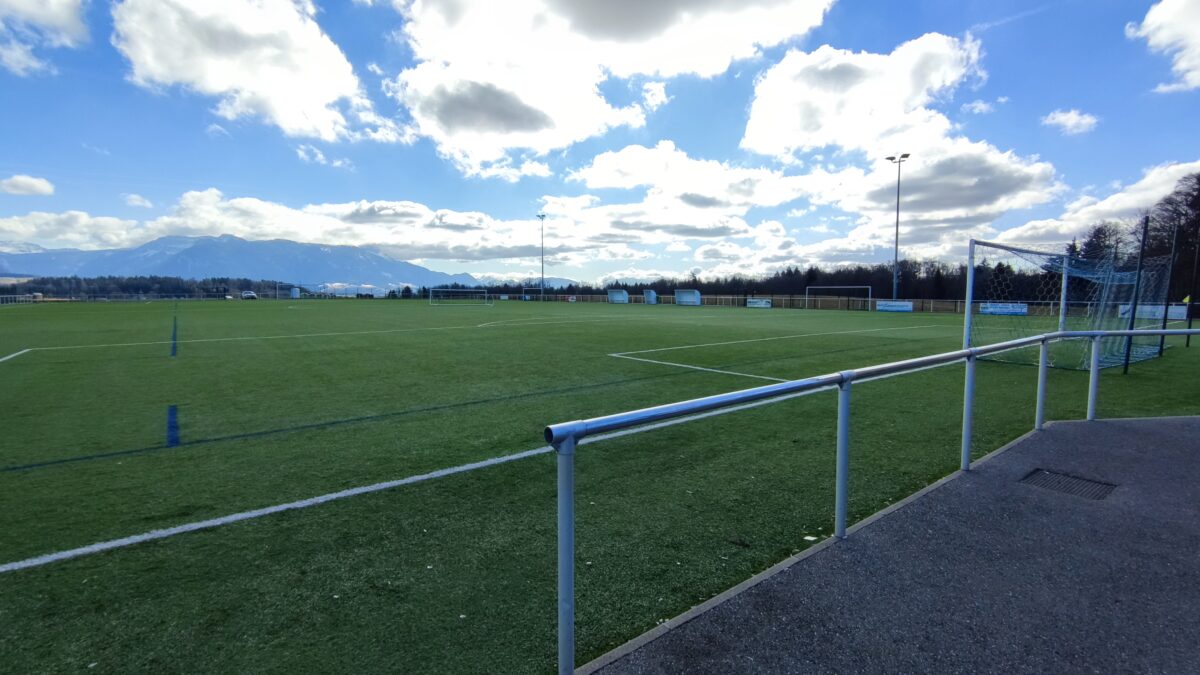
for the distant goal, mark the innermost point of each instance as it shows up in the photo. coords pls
(459, 297)
(838, 297)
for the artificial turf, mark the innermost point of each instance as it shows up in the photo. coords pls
(283, 400)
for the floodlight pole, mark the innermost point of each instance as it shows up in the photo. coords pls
(897, 160)
(542, 220)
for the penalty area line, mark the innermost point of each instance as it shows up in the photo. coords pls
(153, 535)
(784, 337)
(15, 355)
(691, 367)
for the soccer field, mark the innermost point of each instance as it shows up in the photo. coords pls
(124, 419)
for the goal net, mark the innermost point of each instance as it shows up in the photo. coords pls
(618, 297)
(837, 297)
(459, 296)
(687, 297)
(533, 293)
(1017, 292)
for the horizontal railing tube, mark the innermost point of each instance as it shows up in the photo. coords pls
(566, 436)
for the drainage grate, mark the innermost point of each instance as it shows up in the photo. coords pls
(1061, 482)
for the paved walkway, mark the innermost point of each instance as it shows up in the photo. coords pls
(987, 574)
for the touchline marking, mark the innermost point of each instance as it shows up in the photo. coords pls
(13, 356)
(691, 367)
(783, 337)
(153, 535)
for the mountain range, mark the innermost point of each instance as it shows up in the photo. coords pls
(228, 256)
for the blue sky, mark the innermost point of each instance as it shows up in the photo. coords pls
(706, 136)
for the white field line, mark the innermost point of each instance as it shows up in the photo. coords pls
(153, 535)
(13, 356)
(295, 336)
(784, 337)
(691, 367)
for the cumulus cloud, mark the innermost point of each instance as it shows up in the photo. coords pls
(1127, 202)
(497, 85)
(1070, 122)
(69, 229)
(654, 95)
(134, 199)
(264, 59)
(312, 155)
(978, 107)
(859, 103)
(26, 25)
(1172, 27)
(20, 184)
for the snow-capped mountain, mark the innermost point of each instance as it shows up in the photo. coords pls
(229, 256)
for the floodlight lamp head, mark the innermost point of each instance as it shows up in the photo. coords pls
(890, 158)
(904, 156)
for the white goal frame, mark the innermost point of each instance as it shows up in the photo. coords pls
(465, 295)
(810, 288)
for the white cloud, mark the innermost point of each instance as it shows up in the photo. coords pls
(496, 83)
(26, 24)
(216, 130)
(1173, 27)
(69, 229)
(978, 107)
(20, 184)
(1127, 202)
(654, 95)
(884, 104)
(858, 100)
(1070, 122)
(266, 59)
(134, 199)
(311, 155)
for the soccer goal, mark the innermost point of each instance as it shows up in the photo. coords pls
(1014, 292)
(837, 297)
(618, 296)
(533, 293)
(687, 297)
(459, 296)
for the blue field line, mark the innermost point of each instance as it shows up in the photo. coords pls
(174, 336)
(172, 426)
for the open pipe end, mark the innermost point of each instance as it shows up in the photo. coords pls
(549, 434)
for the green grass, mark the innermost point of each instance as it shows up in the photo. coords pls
(457, 573)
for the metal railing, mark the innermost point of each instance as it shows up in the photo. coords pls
(566, 436)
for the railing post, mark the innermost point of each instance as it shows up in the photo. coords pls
(843, 457)
(1039, 417)
(968, 406)
(566, 555)
(1094, 379)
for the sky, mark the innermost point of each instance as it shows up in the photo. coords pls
(676, 137)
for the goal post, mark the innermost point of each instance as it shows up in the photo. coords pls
(687, 296)
(460, 297)
(533, 293)
(1013, 292)
(859, 293)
